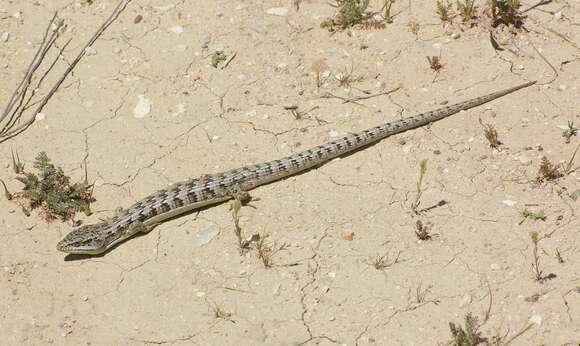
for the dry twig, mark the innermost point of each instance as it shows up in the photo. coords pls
(11, 119)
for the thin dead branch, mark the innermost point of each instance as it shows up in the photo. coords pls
(11, 119)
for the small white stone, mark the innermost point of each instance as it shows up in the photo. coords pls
(455, 35)
(558, 15)
(494, 266)
(40, 116)
(90, 51)
(520, 67)
(206, 234)
(215, 138)
(178, 29)
(277, 11)
(509, 202)
(142, 108)
(200, 294)
(5, 36)
(333, 133)
(562, 87)
(537, 319)
(332, 275)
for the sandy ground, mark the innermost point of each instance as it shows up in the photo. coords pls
(164, 288)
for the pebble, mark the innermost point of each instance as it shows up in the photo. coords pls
(206, 234)
(40, 116)
(537, 319)
(5, 36)
(455, 35)
(142, 108)
(509, 202)
(562, 87)
(347, 235)
(90, 51)
(277, 11)
(178, 29)
(195, 76)
(333, 133)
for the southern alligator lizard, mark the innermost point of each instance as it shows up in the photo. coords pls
(215, 188)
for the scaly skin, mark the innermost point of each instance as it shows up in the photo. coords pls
(215, 188)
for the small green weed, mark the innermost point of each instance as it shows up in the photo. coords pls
(353, 13)
(536, 216)
(468, 335)
(548, 171)
(506, 12)
(445, 11)
(52, 191)
(570, 131)
(466, 9)
(491, 135)
(422, 171)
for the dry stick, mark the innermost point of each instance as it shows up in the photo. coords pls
(41, 79)
(114, 15)
(23, 106)
(28, 75)
(548, 63)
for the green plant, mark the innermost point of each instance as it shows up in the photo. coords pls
(435, 63)
(383, 261)
(217, 58)
(536, 216)
(466, 9)
(347, 77)
(538, 273)
(468, 335)
(548, 171)
(491, 135)
(353, 13)
(570, 131)
(506, 12)
(422, 170)
(387, 10)
(17, 166)
(52, 191)
(422, 230)
(266, 250)
(235, 206)
(445, 11)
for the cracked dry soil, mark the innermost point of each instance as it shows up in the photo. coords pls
(323, 287)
